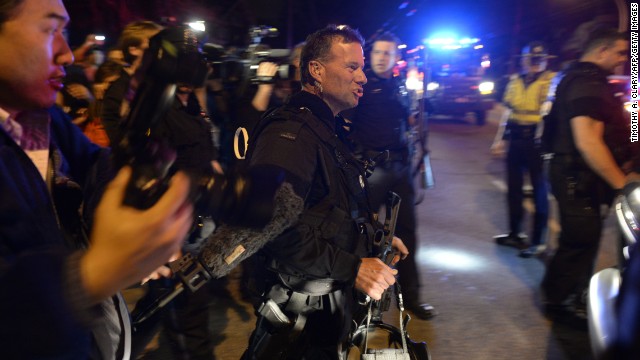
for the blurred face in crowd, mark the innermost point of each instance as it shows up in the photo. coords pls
(534, 64)
(115, 55)
(613, 56)
(34, 53)
(341, 76)
(384, 56)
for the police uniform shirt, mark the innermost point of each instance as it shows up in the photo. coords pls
(592, 96)
(379, 120)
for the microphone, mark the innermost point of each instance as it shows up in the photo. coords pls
(227, 247)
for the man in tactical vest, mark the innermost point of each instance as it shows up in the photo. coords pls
(380, 124)
(523, 97)
(588, 135)
(310, 272)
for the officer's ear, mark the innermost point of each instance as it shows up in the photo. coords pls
(315, 69)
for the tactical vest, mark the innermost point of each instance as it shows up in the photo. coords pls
(557, 137)
(343, 227)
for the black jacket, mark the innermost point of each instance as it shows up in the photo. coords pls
(380, 119)
(43, 312)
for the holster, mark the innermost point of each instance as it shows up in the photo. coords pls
(276, 331)
(581, 191)
(272, 313)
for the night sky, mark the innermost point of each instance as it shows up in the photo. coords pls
(503, 25)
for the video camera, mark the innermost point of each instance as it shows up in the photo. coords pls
(242, 65)
(174, 57)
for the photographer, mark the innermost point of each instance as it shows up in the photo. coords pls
(58, 284)
(132, 42)
(309, 274)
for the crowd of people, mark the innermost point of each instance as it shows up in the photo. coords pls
(335, 132)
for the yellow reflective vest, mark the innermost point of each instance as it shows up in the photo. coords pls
(525, 101)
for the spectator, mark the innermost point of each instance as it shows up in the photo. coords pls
(132, 42)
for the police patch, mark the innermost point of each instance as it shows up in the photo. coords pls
(288, 136)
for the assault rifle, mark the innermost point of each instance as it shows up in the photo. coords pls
(406, 348)
(382, 242)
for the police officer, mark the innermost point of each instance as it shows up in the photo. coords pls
(524, 96)
(310, 272)
(587, 133)
(380, 124)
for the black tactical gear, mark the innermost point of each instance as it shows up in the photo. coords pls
(308, 272)
(582, 91)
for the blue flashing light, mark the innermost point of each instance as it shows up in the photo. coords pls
(447, 42)
(468, 41)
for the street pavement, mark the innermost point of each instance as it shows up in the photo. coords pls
(487, 298)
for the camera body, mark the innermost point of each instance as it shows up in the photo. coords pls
(174, 57)
(242, 65)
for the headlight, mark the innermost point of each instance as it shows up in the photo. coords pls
(432, 86)
(486, 87)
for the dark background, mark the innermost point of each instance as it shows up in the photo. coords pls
(503, 26)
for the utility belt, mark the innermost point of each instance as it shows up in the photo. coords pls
(317, 287)
(580, 181)
(519, 131)
(570, 161)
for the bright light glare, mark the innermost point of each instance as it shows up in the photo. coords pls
(197, 25)
(100, 37)
(449, 259)
(467, 41)
(452, 42)
(442, 41)
(486, 87)
(485, 63)
(402, 46)
(413, 83)
(432, 86)
(478, 47)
